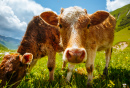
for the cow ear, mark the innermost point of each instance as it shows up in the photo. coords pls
(27, 58)
(50, 18)
(98, 17)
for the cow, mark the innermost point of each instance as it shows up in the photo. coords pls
(13, 68)
(41, 40)
(82, 35)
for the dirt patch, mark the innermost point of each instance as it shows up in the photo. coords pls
(120, 45)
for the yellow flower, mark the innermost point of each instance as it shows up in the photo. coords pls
(112, 83)
(109, 85)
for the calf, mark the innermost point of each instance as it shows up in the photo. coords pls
(41, 39)
(13, 68)
(82, 35)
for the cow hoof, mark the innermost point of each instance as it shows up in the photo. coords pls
(62, 68)
(89, 85)
(51, 80)
(105, 72)
(68, 82)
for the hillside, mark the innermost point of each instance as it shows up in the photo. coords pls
(123, 35)
(122, 16)
(9, 42)
(3, 47)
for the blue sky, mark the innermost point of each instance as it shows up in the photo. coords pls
(90, 5)
(16, 14)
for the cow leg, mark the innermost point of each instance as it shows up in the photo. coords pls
(51, 64)
(90, 66)
(108, 57)
(64, 65)
(69, 73)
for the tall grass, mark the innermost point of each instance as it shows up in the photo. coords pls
(118, 74)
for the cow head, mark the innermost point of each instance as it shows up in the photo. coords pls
(74, 24)
(13, 68)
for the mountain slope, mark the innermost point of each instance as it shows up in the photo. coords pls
(9, 42)
(2, 47)
(122, 16)
(123, 35)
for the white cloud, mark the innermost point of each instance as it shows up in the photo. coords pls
(15, 15)
(10, 19)
(114, 4)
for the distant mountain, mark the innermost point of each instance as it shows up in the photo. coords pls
(122, 16)
(9, 42)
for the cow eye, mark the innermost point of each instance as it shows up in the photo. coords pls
(88, 26)
(60, 25)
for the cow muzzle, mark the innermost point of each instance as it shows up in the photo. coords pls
(75, 55)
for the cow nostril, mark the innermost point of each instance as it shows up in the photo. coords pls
(75, 54)
(82, 55)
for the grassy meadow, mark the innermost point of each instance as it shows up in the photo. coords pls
(118, 72)
(123, 35)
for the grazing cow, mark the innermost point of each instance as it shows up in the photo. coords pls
(82, 35)
(13, 68)
(41, 39)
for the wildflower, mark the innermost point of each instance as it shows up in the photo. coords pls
(112, 83)
(124, 85)
(109, 85)
(76, 70)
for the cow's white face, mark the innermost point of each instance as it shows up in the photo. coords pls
(72, 34)
(72, 14)
(74, 24)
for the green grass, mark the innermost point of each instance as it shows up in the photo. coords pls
(3, 48)
(119, 73)
(123, 35)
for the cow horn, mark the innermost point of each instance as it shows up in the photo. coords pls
(85, 11)
(62, 9)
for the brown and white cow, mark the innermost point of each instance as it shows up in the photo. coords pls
(82, 35)
(41, 39)
(13, 68)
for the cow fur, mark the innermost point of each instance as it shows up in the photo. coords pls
(41, 39)
(13, 68)
(82, 35)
